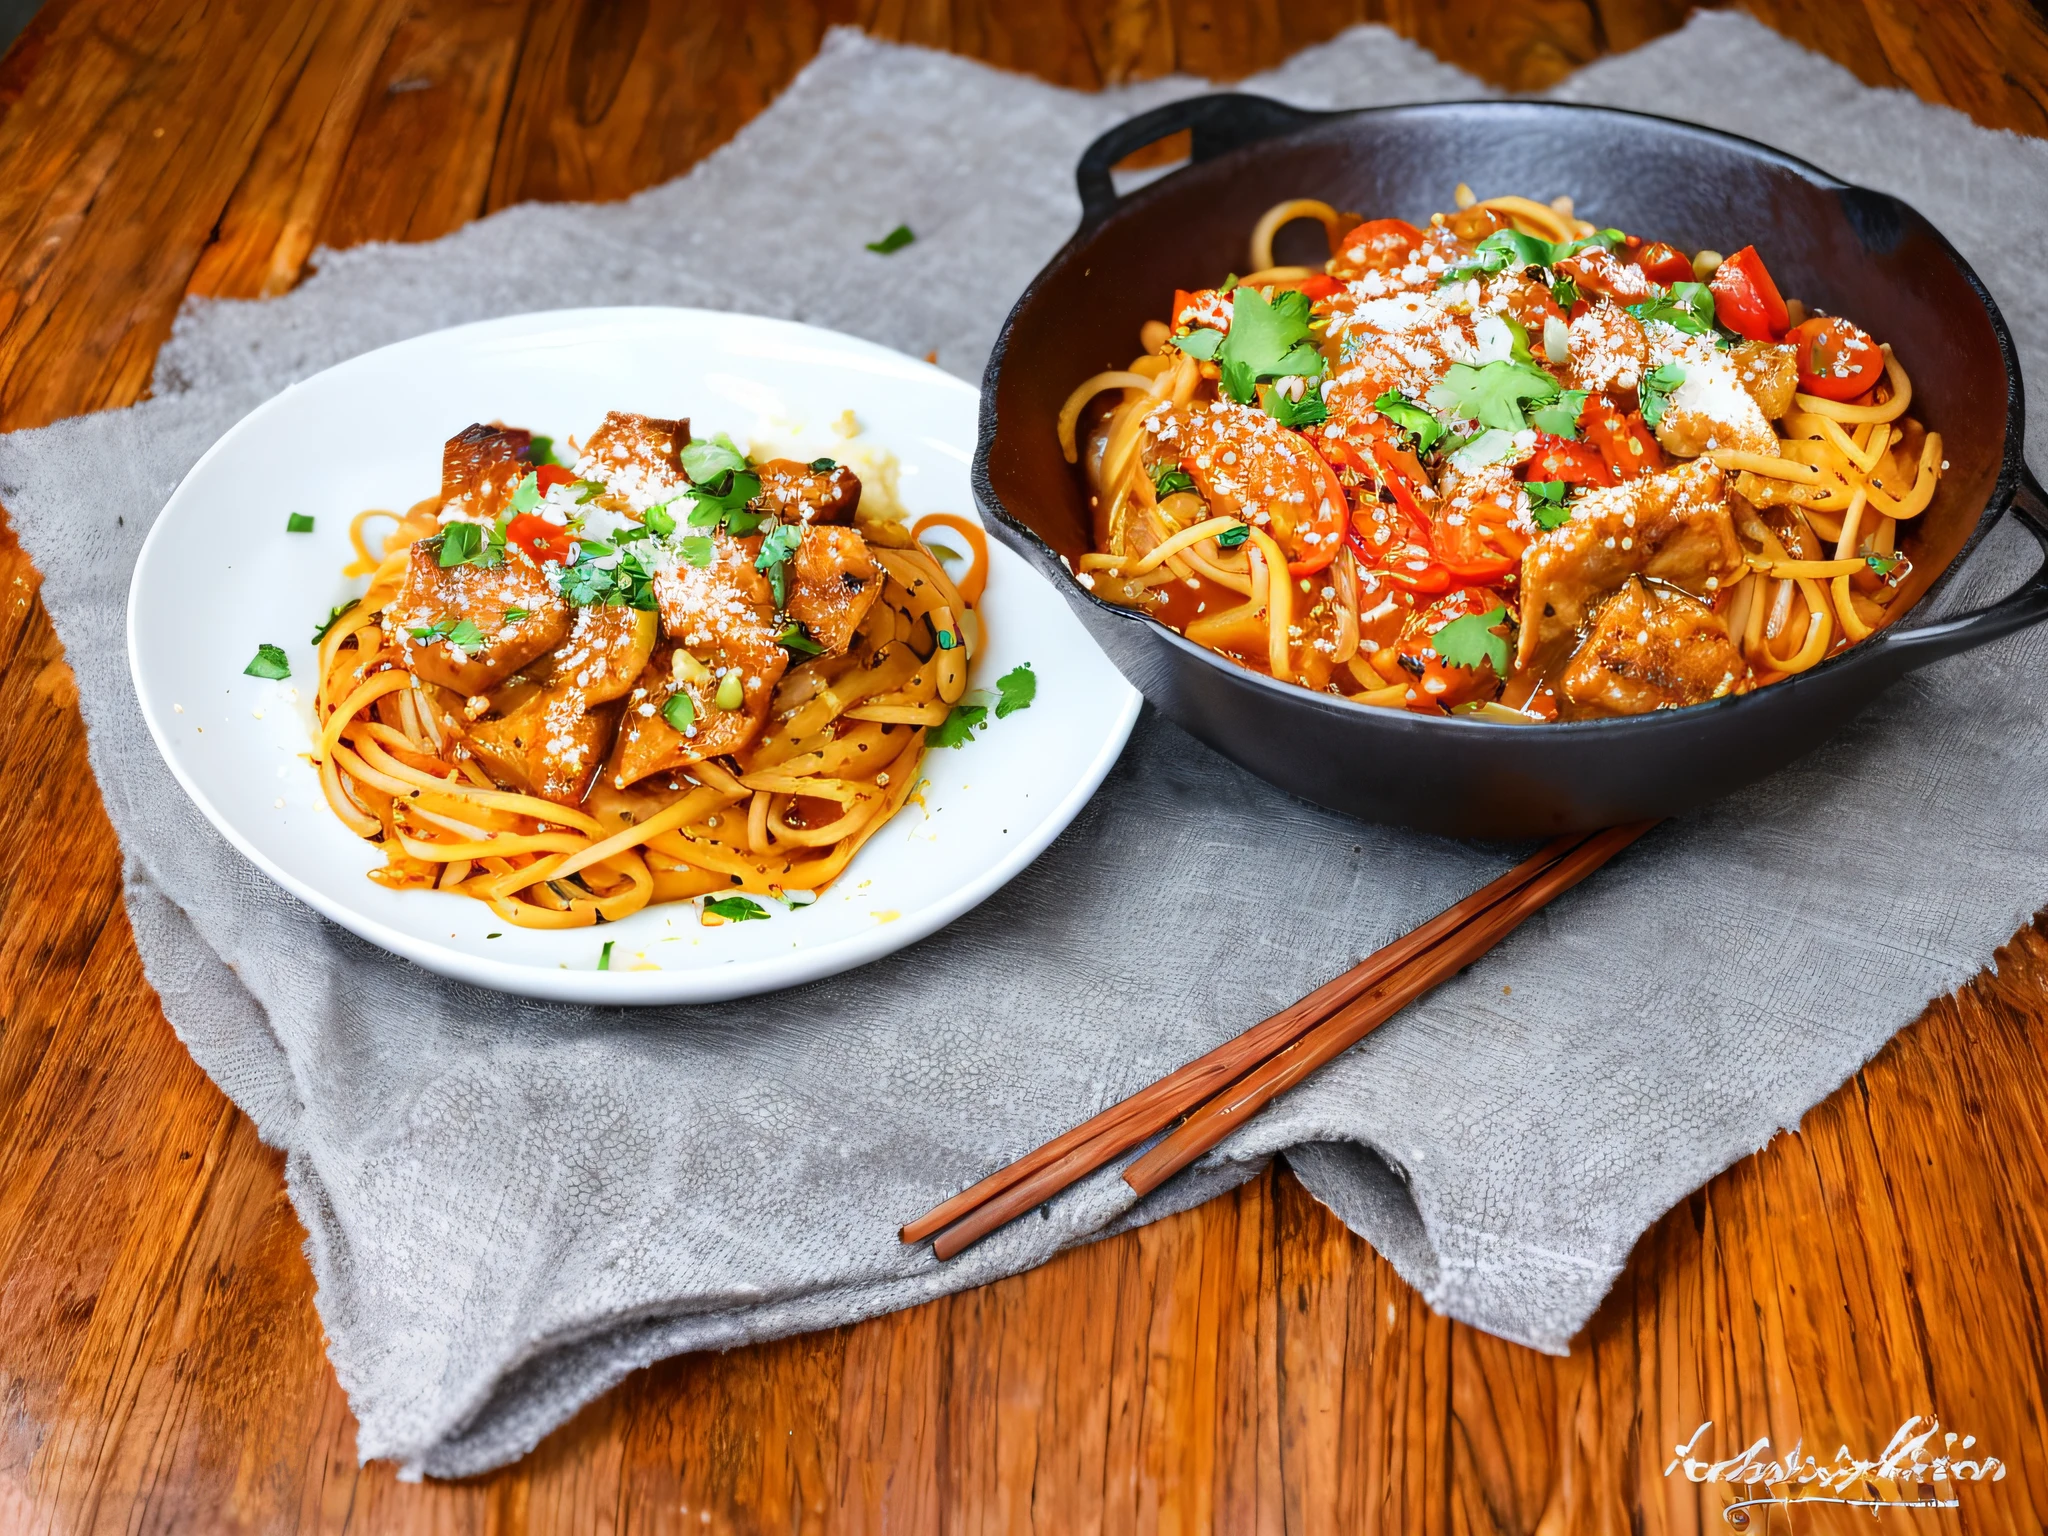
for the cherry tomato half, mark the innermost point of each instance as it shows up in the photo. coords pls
(548, 476)
(1745, 298)
(1625, 440)
(1662, 263)
(1377, 245)
(1559, 458)
(540, 538)
(1837, 360)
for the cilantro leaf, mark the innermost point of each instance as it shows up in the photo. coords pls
(1468, 641)
(1492, 395)
(1231, 538)
(698, 550)
(1506, 248)
(1016, 689)
(893, 241)
(1200, 344)
(1546, 503)
(959, 726)
(526, 496)
(1267, 341)
(541, 450)
(1656, 389)
(334, 617)
(776, 551)
(1410, 418)
(461, 544)
(797, 643)
(722, 500)
(515, 616)
(823, 466)
(1170, 480)
(1561, 417)
(1493, 446)
(1564, 293)
(1294, 414)
(1688, 307)
(706, 459)
(298, 522)
(429, 633)
(680, 711)
(270, 662)
(736, 909)
(658, 521)
(465, 635)
(587, 491)
(1883, 565)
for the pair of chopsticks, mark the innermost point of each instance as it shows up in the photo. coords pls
(1214, 1094)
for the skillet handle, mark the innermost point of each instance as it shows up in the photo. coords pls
(2026, 605)
(1221, 122)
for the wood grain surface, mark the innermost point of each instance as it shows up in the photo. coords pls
(1247, 1367)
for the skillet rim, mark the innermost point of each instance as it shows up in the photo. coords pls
(1884, 646)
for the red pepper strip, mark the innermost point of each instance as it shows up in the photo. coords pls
(1482, 571)
(1429, 582)
(1559, 458)
(1746, 300)
(1663, 264)
(1321, 286)
(540, 538)
(1324, 550)
(548, 476)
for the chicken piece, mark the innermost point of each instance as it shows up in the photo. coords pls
(1674, 526)
(833, 582)
(1401, 341)
(557, 740)
(1608, 348)
(481, 466)
(1597, 270)
(1651, 648)
(1712, 408)
(435, 598)
(639, 459)
(1770, 373)
(798, 493)
(716, 620)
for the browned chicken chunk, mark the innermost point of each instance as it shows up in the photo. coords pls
(1673, 526)
(833, 583)
(797, 493)
(1651, 648)
(482, 465)
(1770, 373)
(510, 604)
(556, 741)
(718, 621)
(1608, 348)
(638, 458)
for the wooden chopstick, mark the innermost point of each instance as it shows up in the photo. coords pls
(1348, 1025)
(1039, 1175)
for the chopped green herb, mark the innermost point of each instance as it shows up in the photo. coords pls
(465, 544)
(1492, 395)
(1493, 446)
(794, 640)
(893, 241)
(298, 522)
(587, 491)
(1468, 641)
(1656, 389)
(1294, 414)
(722, 500)
(334, 617)
(707, 458)
(1506, 248)
(658, 521)
(1883, 565)
(1170, 480)
(1561, 417)
(776, 552)
(1230, 538)
(1267, 341)
(1016, 689)
(515, 616)
(959, 726)
(1689, 307)
(1200, 344)
(1410, 418)
(604, 956)
(270, 662)
(1564, 293)
(736, 909)
(1546, 503)
(541, 450)
(429, 633)
(465, 635)
(698, 550)
(824, 466)
(680, 712)
(526, 496)
(494, 935)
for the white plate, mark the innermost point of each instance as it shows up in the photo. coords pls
(219, 575)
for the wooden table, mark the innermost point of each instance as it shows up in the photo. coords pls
(1249, 1366)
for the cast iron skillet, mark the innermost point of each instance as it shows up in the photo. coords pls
(1844, 249)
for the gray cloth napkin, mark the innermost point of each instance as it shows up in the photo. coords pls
(510, 1205)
